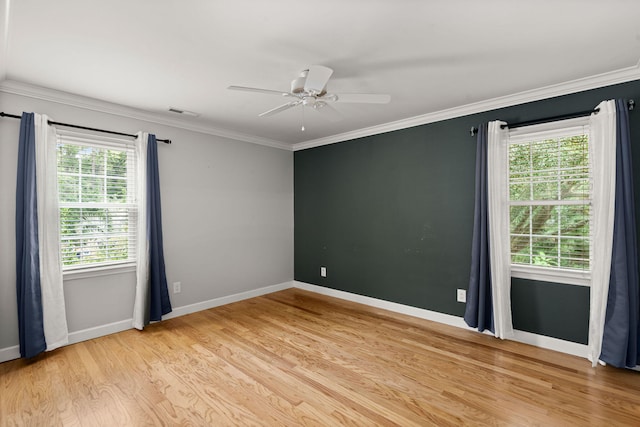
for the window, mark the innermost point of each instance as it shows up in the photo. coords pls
(550, 201)
(98, 213)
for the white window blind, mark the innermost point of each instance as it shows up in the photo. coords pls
(96, 185)
(550, 198)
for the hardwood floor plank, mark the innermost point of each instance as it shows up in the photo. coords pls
(298, 358)
(353, 370)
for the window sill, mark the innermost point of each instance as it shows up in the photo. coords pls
(569, 277)
(105, 270)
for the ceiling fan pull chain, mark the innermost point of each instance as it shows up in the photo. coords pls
(302, 118)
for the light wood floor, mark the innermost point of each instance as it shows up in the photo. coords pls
(298, 358)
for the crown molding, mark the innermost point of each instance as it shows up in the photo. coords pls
(65, 98)
(600, 80)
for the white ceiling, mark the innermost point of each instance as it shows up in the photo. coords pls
(429, 56)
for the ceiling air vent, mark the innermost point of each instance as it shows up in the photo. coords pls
(183, 112)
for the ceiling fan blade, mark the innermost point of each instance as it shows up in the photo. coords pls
(255, 89)
(327, 111)
(317, 78)
(279, 109)
(364, 98)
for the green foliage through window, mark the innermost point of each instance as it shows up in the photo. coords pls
(97, 208)
(550, 196)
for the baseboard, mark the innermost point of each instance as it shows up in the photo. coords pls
(568, 347)
(542, 341)
(216, 302)
(551, 343)
(99, 331)
(10, 353)
(421, 313)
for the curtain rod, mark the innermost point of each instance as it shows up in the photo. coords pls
(14, 116)
(630, 105)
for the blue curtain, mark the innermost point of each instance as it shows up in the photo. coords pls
(158, 291)
(30, 322)
(479, 309)
(620, 343)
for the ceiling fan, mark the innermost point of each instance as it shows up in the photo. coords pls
(309, 89)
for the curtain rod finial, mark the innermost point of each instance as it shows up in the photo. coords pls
(473, 131)
(631, 103)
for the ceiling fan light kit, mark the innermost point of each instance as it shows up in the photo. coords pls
(310, 89)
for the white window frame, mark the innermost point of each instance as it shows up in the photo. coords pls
(82, 271)
(548, 131)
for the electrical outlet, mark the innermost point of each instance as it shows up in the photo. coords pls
(323, 271)
(177, 287)
(461, 295)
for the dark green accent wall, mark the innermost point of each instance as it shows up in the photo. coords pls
(391, 216)
(560, 311)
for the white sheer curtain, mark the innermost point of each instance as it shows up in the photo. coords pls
(602, 150)
(53, 307)
(499, 245)
(140, 311)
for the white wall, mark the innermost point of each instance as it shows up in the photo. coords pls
(227, 211)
